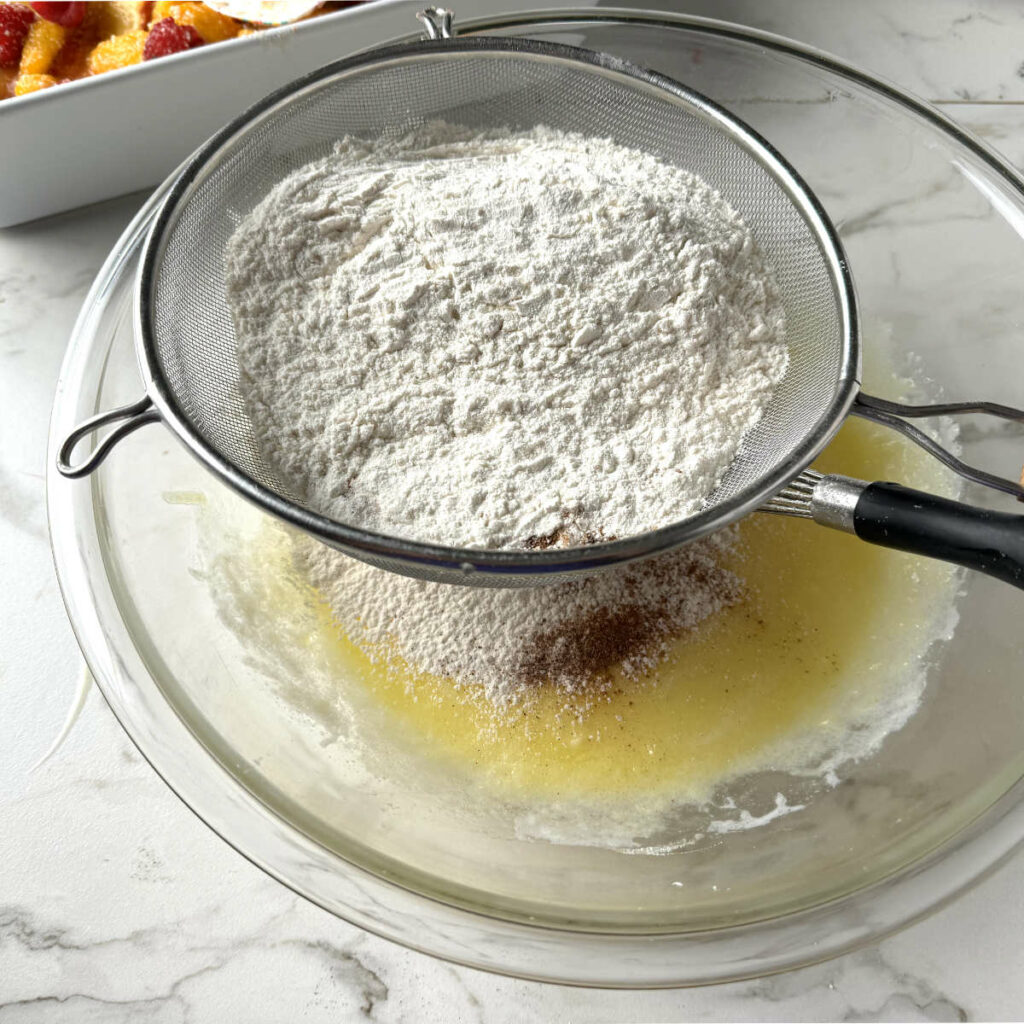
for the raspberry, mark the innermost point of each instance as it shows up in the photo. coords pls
(213, 26)
(69, 15)
(15, 21)
(167, 37)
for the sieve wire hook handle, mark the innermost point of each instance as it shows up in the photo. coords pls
(437, 22)
(128, 417)
(895, 414)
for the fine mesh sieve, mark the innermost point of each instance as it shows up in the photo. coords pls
(186, 338)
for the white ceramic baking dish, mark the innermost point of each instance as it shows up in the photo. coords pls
(127, 130)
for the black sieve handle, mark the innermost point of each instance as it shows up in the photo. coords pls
(908, 520)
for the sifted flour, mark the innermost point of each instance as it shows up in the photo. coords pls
(501, 339)
(507, 642)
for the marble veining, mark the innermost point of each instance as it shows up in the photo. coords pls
(118, 905)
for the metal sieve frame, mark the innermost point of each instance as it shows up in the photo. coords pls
(469, 565)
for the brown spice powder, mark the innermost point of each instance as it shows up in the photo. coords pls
(589, 646)
(629, 636)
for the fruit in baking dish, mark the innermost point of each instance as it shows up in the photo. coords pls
(46, 44)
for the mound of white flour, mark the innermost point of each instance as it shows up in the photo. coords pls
(508, 642)
(497, 339)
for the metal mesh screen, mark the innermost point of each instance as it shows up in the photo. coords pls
(192, 336)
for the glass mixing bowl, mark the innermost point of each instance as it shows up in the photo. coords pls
(233, 709)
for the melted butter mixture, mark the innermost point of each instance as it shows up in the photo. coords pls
(827, 632)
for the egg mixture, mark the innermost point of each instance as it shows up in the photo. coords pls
(827, 631)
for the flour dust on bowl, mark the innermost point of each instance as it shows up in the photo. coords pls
(196, 273)
(772, 783)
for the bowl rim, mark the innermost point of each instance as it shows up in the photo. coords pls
(776, 944)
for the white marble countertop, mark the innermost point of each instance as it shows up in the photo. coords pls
(117, 904)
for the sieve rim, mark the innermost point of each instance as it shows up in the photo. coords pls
(462, 563)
